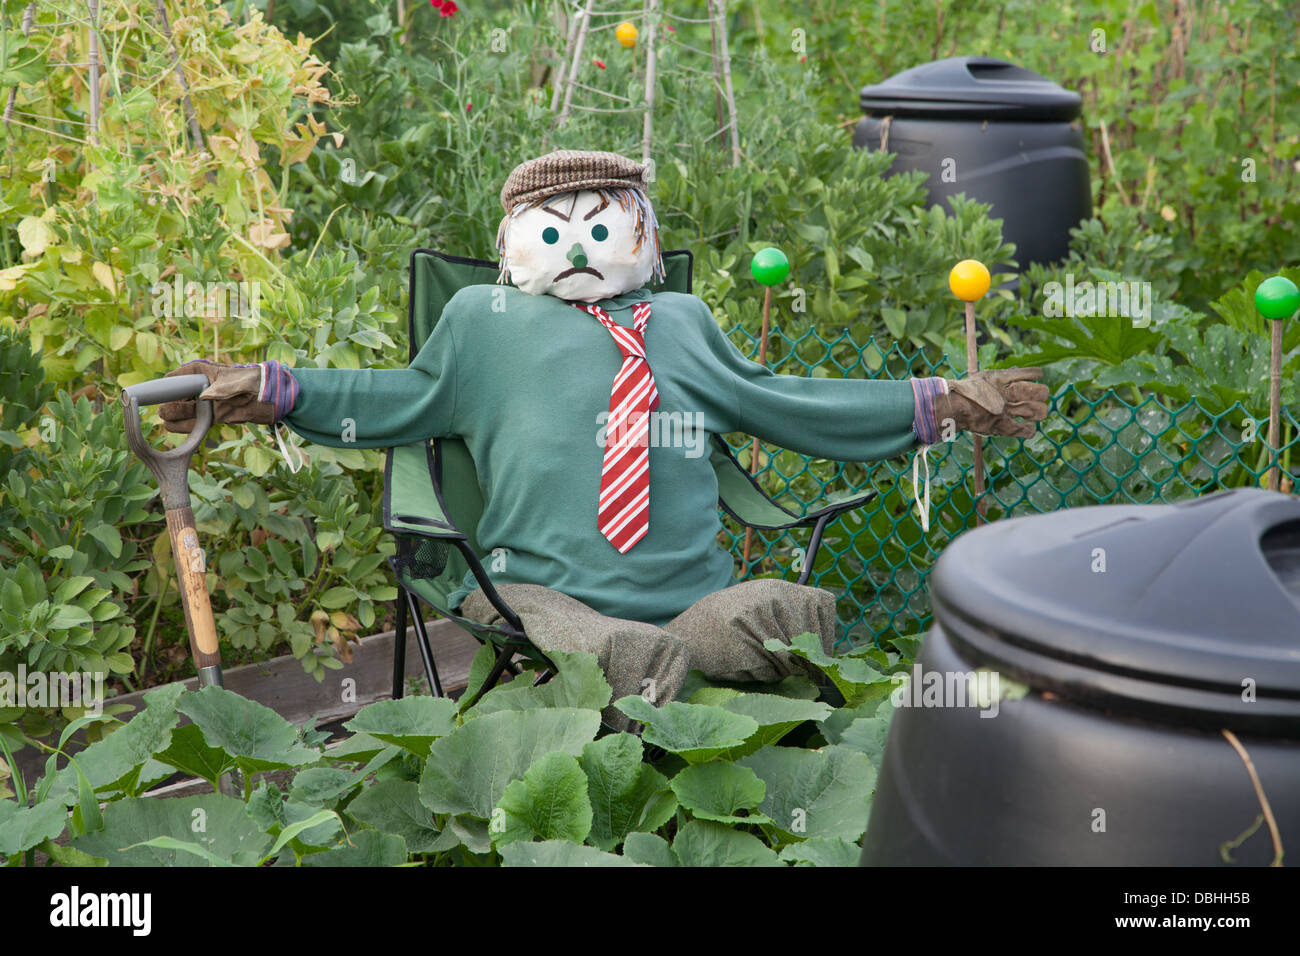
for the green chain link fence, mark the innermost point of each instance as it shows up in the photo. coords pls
(1096, 447)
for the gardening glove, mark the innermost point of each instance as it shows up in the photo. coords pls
(988, 403)
(236, 392)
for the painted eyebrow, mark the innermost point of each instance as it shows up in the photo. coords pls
(555, 212)
(595, 209)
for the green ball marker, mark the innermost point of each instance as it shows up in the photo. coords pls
(1277, 298)
(769, 266)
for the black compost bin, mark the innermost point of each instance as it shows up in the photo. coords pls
(997, 132)
(1141, 633)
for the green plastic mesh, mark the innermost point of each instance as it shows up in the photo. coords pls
(1096, 447)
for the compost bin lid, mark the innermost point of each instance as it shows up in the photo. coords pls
(972, 87)
(1191, 608)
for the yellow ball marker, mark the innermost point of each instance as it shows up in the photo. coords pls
(626, 33)
(969, 280)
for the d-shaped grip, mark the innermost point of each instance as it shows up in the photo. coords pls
(169, 467)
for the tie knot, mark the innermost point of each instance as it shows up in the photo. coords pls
(630, 342)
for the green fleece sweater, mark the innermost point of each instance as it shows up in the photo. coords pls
(527, 387)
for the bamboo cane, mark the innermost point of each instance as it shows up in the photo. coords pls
(769, 266)
(753, 448)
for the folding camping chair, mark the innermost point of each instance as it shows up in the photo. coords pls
(432, 502)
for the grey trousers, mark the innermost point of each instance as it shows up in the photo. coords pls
(721, 634)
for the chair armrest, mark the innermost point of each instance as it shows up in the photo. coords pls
(421, 525)
(820, 519)
(835, 506)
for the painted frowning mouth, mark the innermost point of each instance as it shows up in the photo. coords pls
(573, 272)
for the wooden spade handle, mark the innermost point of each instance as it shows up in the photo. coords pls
(191, 569)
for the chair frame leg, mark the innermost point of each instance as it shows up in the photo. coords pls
(399, 646)
(421, 642)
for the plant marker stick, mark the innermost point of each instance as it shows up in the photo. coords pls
(1275, 404)
(1277, 299)
(969, 280)
(769, 266)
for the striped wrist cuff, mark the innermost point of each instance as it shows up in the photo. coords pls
(925, 390)
(279, 387)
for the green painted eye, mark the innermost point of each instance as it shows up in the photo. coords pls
(550, 235)
(599, 232)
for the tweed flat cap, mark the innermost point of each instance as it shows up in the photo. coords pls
(567, 170)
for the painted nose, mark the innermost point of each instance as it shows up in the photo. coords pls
(576, 256)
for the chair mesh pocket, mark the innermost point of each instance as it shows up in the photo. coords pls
(420, 557)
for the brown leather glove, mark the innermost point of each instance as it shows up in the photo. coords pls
(988, 403)
(233, 392)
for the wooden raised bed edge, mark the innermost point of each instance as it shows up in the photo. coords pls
(282, 685)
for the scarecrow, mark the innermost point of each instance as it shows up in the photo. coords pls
(587, 403)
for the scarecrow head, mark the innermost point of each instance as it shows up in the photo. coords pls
(578, 226)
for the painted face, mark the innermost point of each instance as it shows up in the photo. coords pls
(578, 246)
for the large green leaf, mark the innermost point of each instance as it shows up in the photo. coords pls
(369, 848)
(823, 851)
(626, 794)
(306, 828)
(317, 786)
(838, 721)
(650, 849)
(218, 824)
(358, 747)
(868, 736)
(705, 843)
(412, 723)
(255, 736)
(855, 677)
(469, 831)
(579, 683)
(189, 753)
(696, 732)
(1109, 339)
(721, 791)
(479, 670)
(814, 793)
(181, 847)
(119, 756)
(393, 806)
(699, 689)
(22, 828)
(775, 715)
(468, 770)
(68, 856)
(559, 853)
(550, 803)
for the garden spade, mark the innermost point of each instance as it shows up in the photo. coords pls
(171, 468)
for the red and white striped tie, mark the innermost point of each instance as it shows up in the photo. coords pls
(623, 514)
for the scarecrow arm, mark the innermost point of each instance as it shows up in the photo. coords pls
(834, 418)
(377, 408)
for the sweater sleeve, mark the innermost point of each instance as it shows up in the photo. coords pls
(840, 419)
(376, 408)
